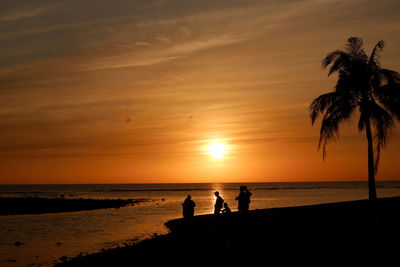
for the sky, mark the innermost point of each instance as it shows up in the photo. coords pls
(137, 91)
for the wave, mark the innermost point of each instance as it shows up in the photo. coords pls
(307, 188)
(155, 190)
(177, 189)
(226, 189)
(27, 192)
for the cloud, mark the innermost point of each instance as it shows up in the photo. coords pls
(157, 56)
(20, 14)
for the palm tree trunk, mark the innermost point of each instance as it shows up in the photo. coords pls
(371, 167)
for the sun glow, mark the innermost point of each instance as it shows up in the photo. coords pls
(217, 150)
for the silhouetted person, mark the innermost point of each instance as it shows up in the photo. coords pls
(188, 207)
(244, 199)
(218, 204)
(226, 209)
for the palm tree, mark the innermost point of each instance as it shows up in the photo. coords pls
(362, 85)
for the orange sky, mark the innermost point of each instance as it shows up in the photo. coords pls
(96, 91)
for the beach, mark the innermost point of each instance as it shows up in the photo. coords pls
(47, 238)
(357, 231)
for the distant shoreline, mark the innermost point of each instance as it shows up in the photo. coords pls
(361, 180)
(353, 230)
(43, 205)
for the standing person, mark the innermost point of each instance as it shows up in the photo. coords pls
(218, 204)
(188, 207)
(244, 199)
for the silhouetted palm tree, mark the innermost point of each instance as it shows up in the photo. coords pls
(364, 86)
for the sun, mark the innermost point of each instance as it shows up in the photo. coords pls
(216, 150)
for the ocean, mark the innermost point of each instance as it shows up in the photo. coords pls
(47, 237)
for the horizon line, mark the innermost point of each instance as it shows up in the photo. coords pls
(155, 183)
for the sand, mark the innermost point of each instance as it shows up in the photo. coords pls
(356, 232)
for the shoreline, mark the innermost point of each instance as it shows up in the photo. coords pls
(44, 205)
(339, 231)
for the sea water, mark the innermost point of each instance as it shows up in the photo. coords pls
(47, 237)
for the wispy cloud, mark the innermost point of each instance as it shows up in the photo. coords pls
(158, 55)
(18, 14)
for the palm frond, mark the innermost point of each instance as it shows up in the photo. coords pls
(373, 58)
(389, 76)
(320, 104)
(354, 45)
(389, 97)
(383, 123)
(340, 63)
(337, 55)
(362, 121)
(383, 126)
(346, 85)
(334, 115)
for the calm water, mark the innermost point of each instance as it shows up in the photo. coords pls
(47, 237)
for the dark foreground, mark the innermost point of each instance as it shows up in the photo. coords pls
(36, 205)
(327, 234)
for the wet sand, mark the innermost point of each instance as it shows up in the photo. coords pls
(355, 231)
(38, 205)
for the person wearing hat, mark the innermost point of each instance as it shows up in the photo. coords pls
(219, 202)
